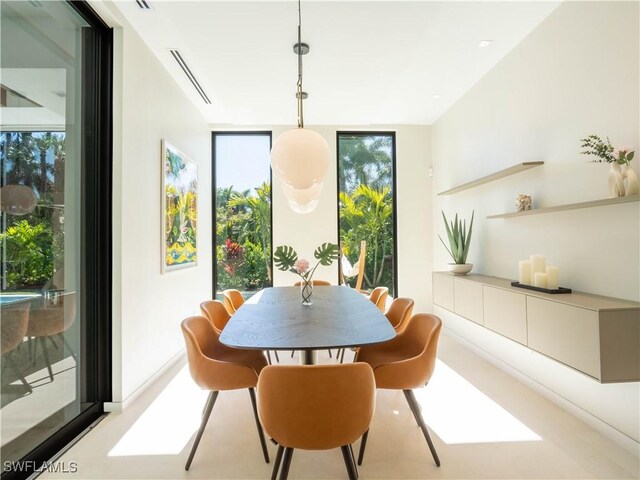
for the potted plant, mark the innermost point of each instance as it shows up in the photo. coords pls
(621, 182)
(459, 241)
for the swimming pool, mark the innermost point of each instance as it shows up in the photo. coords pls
(8, 298)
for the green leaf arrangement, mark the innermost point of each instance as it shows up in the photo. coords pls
(604, 151)
(459, 238)
(285, 258)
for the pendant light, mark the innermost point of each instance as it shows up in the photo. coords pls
(17, 199)
(300, 157)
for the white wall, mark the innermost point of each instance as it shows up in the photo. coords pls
(576, 74)
(147, 305)
(414, 192)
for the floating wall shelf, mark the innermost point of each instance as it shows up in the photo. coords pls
(570, 206)
(520, 167)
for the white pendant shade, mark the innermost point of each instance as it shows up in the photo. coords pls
(300, 158)
(304, 209)
(17, 199)
(302, 197)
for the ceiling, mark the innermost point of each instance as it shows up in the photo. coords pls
(371, 62)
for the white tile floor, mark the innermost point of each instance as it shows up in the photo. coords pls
(485, 425)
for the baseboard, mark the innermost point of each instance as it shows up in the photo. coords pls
(118, 407)
(597, 424)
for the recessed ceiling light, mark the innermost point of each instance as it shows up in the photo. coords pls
(436, 96)
(485, 43)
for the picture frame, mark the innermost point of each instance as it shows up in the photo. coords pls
(179, 209)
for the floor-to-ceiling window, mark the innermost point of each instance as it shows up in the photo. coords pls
(366, 206)
(242, 209)
(55, 211)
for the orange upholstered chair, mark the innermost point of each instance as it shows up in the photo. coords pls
(216, 367)
(233, 299)
(405, 363)
(316, 407)
(315, 283)
(379, 297)
(216, 312)
(399, 313)
(14, 319)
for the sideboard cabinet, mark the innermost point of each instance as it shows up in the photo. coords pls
(598, 336)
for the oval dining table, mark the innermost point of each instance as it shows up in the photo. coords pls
(275, 319)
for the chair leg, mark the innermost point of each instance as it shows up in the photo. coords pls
(342, 356)
(353, 461)
(45, 352)
(53, 342)
(269, 357)
(286, 463)
(211, 400)
(348, 459)
(329, 353)
(276, 466)
(265, 452)
(277, 357)
(415, 408)
(14, 367)
(293, 352)
(363, 445)
(66, 344)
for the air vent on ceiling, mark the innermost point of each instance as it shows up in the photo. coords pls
(187, 71)
(143, 4)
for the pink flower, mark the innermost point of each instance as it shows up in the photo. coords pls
(301, 266)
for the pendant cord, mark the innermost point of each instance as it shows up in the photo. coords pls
(299, 83)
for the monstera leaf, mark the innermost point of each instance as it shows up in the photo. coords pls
(285, 257)
(326, 253)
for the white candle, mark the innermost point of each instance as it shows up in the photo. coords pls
(524, 272)
(552, 277)
(540, 280)
(538, 264)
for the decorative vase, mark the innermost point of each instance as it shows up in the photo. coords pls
(616, 182)
(460, 268)
(630, 181)
(306, 290)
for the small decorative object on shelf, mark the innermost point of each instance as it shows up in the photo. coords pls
(541, 289)
(286, 259)
(459, 241)
(535, 273)
(623, 181)
(523, 202)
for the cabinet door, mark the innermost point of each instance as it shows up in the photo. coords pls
(505, 312)
(443, 290)
(467, 296)
(566, 333)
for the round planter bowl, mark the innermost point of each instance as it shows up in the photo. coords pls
(460, 268)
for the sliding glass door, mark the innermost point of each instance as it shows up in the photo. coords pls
(54, 120)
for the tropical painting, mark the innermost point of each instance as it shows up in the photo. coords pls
(180, 198)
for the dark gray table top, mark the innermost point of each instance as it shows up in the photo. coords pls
(275, 319)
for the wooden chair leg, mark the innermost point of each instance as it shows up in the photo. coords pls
(415, 408)
(211, 400)
(363, 445)
(265, 452)
(348, 461)
(286, 463)
(276, 466)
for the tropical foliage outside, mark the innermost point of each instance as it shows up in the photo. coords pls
(32, 244)
(243, 238)
(365, 176)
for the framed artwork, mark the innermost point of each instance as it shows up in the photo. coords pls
(179, 209)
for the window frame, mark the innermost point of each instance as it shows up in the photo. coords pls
(214, 216)
(394, 201)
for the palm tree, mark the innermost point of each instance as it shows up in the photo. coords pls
(364, 160)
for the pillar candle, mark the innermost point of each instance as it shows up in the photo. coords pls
(552, 277)
(538, 264)
(524, 272)
(540, 280)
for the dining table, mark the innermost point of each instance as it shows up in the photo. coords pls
(275, 319)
